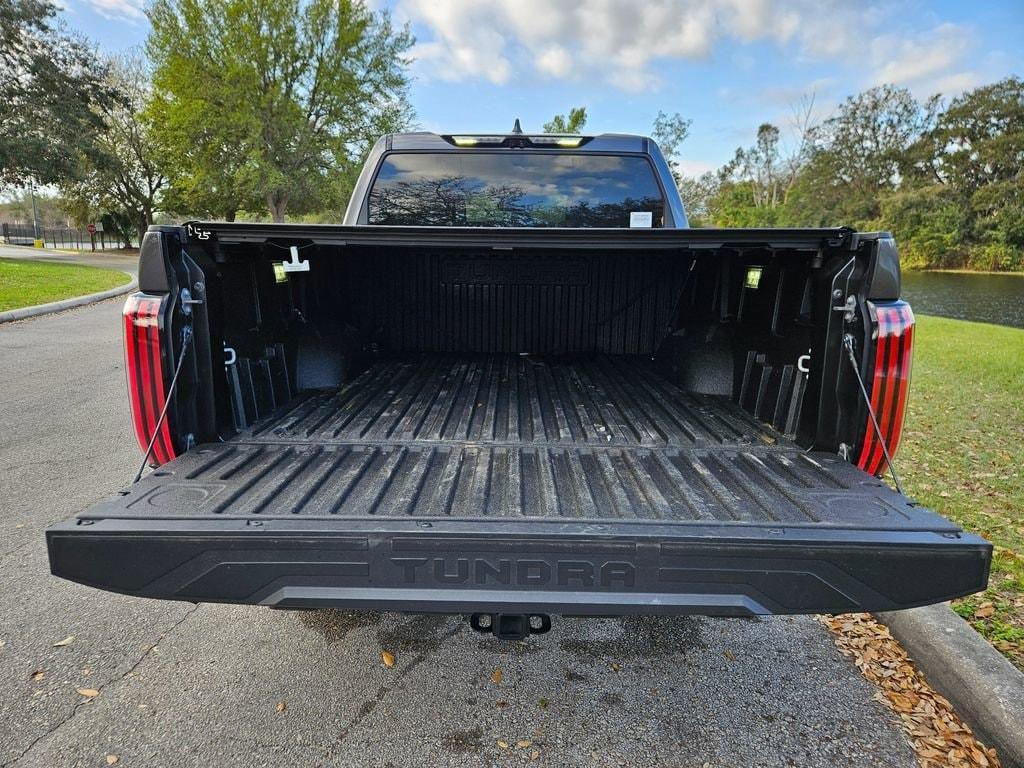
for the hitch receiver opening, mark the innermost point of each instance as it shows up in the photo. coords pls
(511, 626)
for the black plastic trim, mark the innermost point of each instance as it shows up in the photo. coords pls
(519, 566)
(214, 232)
(155, 274)
(886, 277)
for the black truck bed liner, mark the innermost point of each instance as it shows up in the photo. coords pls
(512, 483)
(490, 436)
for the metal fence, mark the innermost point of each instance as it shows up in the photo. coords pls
(57, 237)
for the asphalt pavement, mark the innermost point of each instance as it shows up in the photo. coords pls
(213, 685)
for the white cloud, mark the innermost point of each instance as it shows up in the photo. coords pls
(696, 167)
(617, 41)
(929, 62)
(955, 83)
(555, 61)
(792, 96)
(622, 42)
(121, 10)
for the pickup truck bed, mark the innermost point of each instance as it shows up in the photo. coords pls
(582, 485)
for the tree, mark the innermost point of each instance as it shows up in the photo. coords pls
(857, 155)
(205, 160)
(977, 151)
(669, 132)
(698, 194)
(278, 101)
(761, 177)
(573, 123)
(18, 208)
(929, 223)
(731, 207)
(50, 84)
(121, 176)
(979, 138)
(760, 168)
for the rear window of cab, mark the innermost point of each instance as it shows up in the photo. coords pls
(515, 189)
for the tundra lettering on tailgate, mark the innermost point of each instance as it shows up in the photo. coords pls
(479, 571)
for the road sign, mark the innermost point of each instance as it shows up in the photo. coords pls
(91, 229)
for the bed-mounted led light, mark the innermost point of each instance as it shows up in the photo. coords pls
(753, 279)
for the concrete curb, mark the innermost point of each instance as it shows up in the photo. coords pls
(985, 688)
(59, 306)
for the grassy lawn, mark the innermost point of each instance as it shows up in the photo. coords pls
(963, 456)
(25, 283)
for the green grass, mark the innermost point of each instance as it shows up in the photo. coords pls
(1016, 273)
(25, 283)
(963, 456)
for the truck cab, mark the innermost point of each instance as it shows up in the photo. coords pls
(611, 167)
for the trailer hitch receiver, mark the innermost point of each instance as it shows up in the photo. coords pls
(511, 626)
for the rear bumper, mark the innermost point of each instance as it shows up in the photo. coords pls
(520, 566)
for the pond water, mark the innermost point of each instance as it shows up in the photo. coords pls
(983, 298)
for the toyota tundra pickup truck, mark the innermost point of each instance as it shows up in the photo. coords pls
(514, 383)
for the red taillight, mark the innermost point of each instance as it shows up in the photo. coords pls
(147, 388)
(890, 383)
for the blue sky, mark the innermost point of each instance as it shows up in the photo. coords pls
(726, 64)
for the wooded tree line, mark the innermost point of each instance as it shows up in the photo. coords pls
(234, 106)
(947, 178)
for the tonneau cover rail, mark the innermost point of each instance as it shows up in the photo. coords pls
(204, 233)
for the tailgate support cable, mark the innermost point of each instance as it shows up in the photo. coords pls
(186, 339)
(848, 343)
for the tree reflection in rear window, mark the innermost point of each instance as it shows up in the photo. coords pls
(514, 189)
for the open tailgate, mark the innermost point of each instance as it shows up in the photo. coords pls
(408, 496)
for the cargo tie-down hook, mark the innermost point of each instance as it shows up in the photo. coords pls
(296, 264)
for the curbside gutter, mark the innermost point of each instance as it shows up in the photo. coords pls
(985, 688)
(59, 306)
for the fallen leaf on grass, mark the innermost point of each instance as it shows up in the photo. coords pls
(89, 693)
(496, 677)
(66, 641)
(984, 611)
(281, 706)
(388, 658)
(111, 759)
